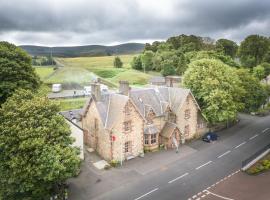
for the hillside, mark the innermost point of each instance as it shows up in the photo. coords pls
(84, 51)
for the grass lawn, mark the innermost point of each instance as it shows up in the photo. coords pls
(69, 104)
(44, 72)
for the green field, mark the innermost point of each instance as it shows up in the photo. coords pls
(82, 70)
(44, 72)
(69, 104)
(103, 67)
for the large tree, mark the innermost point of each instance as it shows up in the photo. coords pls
(229, 47)
(15, 71)
(35, 148)
(254, 94)
(216, 86)
(147, 60)
(253, 50)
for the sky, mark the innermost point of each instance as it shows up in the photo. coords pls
(109, 22)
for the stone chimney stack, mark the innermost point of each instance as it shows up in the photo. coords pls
(95, 91)
(124, 87)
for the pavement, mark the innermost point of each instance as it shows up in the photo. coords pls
(167, 175)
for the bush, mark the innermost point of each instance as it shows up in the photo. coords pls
(114, 163)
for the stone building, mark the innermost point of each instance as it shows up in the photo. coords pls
(120, 126)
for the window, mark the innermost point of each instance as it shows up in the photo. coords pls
(128, 147)
(187, 130)
(146, 139)
(127, 126)
(200, 125)
(153, 138)
(187, 114)
(96, 124)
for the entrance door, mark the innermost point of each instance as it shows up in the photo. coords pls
(175, 138)
(128, 149)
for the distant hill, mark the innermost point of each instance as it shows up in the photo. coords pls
(81, 51)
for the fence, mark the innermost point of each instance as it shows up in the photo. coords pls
(254, 156)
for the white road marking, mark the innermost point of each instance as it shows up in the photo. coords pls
(147, 193)
(253, 137)
(265, 130)
(194, 196)
(222, 197)
(178, 178)
(224, 154)
(203, 165)
(240, 145)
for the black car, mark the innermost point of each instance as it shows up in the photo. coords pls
(210, 136)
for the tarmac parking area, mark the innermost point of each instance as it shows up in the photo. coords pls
(238, 186)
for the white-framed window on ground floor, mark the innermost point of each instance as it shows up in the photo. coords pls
(128, 147)
(146, 139)
(153, 138)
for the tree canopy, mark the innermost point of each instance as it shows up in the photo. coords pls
(117, 63)
(35, 148)
(253, 50)
(229, 47)
(15, 71)
(216, 87)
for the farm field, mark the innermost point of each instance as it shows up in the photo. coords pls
(44, 72)
(80, 71)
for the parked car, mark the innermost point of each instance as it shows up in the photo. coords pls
(210, 136)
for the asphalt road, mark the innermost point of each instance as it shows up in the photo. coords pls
(185, 178)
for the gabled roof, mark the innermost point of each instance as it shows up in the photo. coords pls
(168, 129)
(158, 99)
(108, 107)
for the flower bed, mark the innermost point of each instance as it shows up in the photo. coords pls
(261, 166)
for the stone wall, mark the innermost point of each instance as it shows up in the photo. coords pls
(135, 135)
(97, 138)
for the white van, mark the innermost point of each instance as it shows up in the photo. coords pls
(56, 88)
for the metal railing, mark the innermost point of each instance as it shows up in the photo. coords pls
(255, 155)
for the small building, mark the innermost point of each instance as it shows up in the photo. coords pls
(173, 81)
(157, 81)
(73, 118)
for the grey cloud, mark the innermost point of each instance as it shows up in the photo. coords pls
(79, 22)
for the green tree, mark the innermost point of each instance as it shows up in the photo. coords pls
(137, 62)
(266, 67)
(181, 64)
(254, 93)
(147, 60)
(35, 144)
(117, 63)
(167, 68)
(259, 72)
(253, 49)
(229, 47)
(15, 71)
(216, 87)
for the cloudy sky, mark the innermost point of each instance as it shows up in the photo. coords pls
(81, 22)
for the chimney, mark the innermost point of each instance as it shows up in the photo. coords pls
(124, 87)
(95, 91)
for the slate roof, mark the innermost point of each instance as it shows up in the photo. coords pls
(108, 107)
(72, 114)
(168, 129)
(158, 99)
(151, 129)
